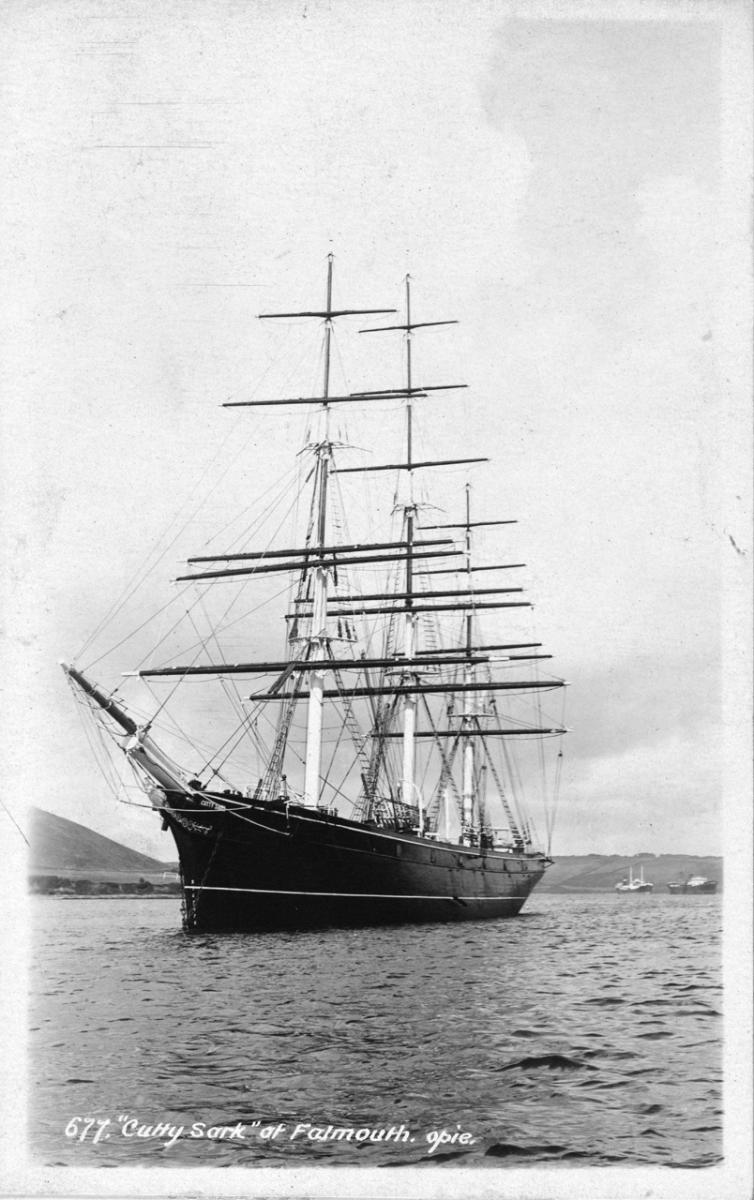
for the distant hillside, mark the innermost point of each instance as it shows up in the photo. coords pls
(63, 848)
(601, 872)
(59, 846)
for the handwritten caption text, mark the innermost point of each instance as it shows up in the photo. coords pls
(97, 1130)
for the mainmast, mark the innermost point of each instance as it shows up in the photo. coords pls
(409, 790)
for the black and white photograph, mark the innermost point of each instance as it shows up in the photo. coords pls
(377, 512)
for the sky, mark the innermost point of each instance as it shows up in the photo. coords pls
(567, 185)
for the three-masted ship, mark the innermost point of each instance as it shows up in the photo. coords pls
(427, 710)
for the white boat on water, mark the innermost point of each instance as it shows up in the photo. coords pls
(634, 883)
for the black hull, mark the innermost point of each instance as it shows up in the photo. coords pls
(683, 889)
(275, 867)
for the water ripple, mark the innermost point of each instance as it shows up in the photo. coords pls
(422, 1028)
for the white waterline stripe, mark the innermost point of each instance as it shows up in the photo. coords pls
(197, 887)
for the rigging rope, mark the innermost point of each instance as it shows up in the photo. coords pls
(147, 567)
(284, 490)
(13, 819)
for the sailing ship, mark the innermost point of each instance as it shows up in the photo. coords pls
(427, 708)
(634, 883)
(694, 885)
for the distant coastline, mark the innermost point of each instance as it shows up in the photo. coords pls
(585, 873)
(592, 874)
(67, 859)
(86, 889)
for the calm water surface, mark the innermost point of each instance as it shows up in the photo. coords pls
(585, 1032)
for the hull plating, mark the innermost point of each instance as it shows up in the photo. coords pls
(268, 867)
(686, 889)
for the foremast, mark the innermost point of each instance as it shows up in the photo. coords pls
(318, 642)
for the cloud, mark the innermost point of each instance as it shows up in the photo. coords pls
(665, 794)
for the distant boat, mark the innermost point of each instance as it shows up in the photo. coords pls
(694, 885)
(634, 884)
